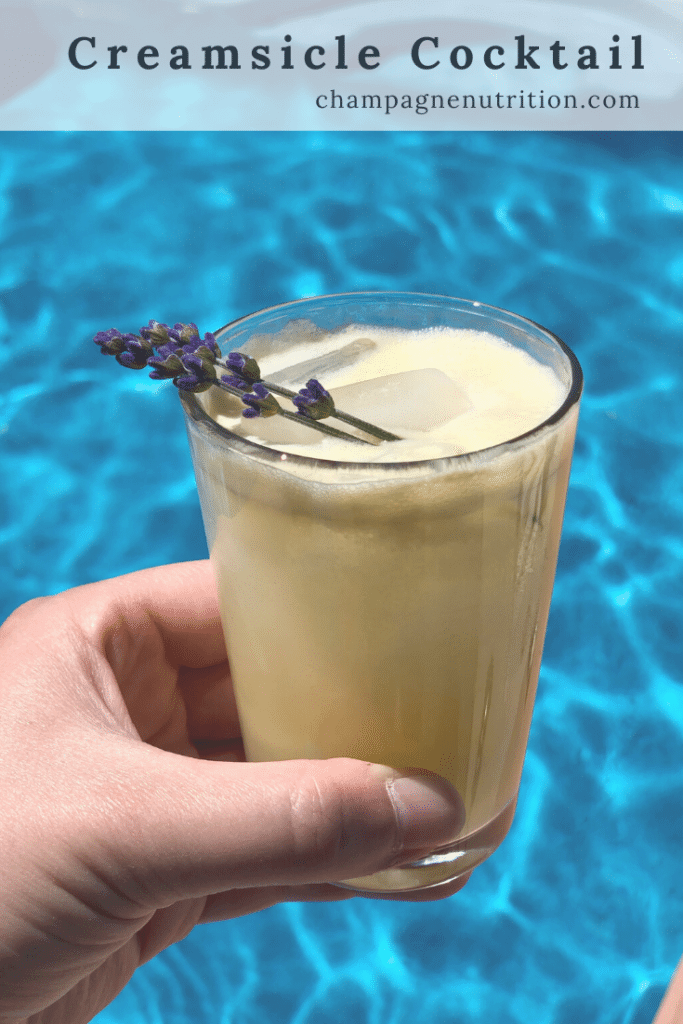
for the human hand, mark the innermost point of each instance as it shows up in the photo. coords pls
(128, 813)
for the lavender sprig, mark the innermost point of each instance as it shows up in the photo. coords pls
(261, 402)
(313, 402)
(179, 354)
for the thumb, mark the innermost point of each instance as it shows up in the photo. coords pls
(201, 827)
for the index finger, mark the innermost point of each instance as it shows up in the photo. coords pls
(180, 600)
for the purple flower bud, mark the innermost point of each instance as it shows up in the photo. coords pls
(187, 333)
(205, 353)
(199, 373)
(136, 353)
(102, 337)
(165, 351)
(211, 343)
(156, 333)
(190, 383)
(192, 362)
(261, 402)
(313, 402)
(165, 367)
(244, 367)
(129, 360)
(111, 342)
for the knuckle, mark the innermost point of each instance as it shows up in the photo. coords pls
(337, 821)
(317, 820)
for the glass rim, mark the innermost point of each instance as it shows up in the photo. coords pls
(196, 412)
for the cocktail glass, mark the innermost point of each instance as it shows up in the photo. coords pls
(392, 612)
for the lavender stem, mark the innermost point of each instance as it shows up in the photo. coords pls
(324, 428)
(353, 421)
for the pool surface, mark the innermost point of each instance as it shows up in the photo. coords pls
(577, 918)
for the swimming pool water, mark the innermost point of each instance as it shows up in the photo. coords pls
(577, 917)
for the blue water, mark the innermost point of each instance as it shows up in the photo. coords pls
(577, 918)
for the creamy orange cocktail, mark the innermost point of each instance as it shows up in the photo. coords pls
(388, 601)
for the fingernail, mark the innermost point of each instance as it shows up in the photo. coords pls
(429, 811)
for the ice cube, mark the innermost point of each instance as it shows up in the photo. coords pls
(320, 366)
(411, 400)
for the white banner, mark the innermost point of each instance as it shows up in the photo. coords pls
(437, 65)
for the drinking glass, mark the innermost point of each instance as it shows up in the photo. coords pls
(392, 612)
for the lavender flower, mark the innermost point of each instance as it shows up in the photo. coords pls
(243, 367)
(136, 352)
(179, 354)
(313, 402)
(235, 382)
(129, 350)
(111, 342)
(260, 403)
(199, 375)
(158, 334)
(166, 364)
